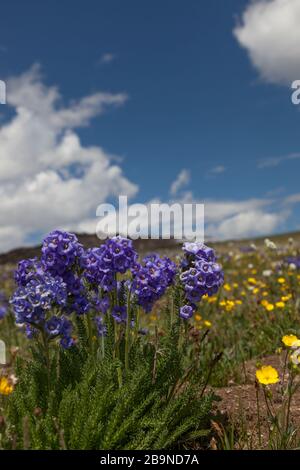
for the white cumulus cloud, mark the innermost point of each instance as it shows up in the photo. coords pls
(269, 31)
(48, 178)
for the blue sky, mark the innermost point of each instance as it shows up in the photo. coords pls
(199, 97)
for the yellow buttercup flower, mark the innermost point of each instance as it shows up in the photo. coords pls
(267, 375)
(289, 340)
(269, 307)
(6, 388)
(255, 290)
(252, 280)
(207, 323)
(198, 317)
(227, 287)
(281, 280)
(280, 304)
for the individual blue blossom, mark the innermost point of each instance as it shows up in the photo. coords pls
(186, 312)
(100, 325)
(30, 331)
(119, 314)
(67, 342)
(53, 326)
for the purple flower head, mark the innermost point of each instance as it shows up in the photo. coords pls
(60, 252)
(27, 270)
(201, 274)
(151, 280)
(67, 342)
(199, 251)
(101, 265)
(119, 314)
(53, 326)
(101, 305)
(101, 327)
(30, 331)
(186, 312)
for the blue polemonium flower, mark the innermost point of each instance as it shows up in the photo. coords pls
(67, 342)
(30, 331)
(100, 325)
(186, 312)
(119, 314)
(151, 280)
(201, 274)
(53, 326)
(27, 269)
(33, 303)
(101, 265)
(61, 251)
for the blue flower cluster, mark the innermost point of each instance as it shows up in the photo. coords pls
(61, 251)
(151, 279)
(62, 256)
(53, 283)
(32, 302)
(201, 275)
(101, 265)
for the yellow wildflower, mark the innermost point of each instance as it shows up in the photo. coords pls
(207, 323)
(198, 317)
(6, 388)
(281, 280)
(289, 340)
(227, 287)
(252, 280)
(280, 304)
(269, 307)
(267, 375)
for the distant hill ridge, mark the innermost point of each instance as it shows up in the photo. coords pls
(143, 246)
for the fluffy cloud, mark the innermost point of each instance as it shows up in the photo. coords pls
(47, 177)
(182, 179)
(246, 224)
(269, 30)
